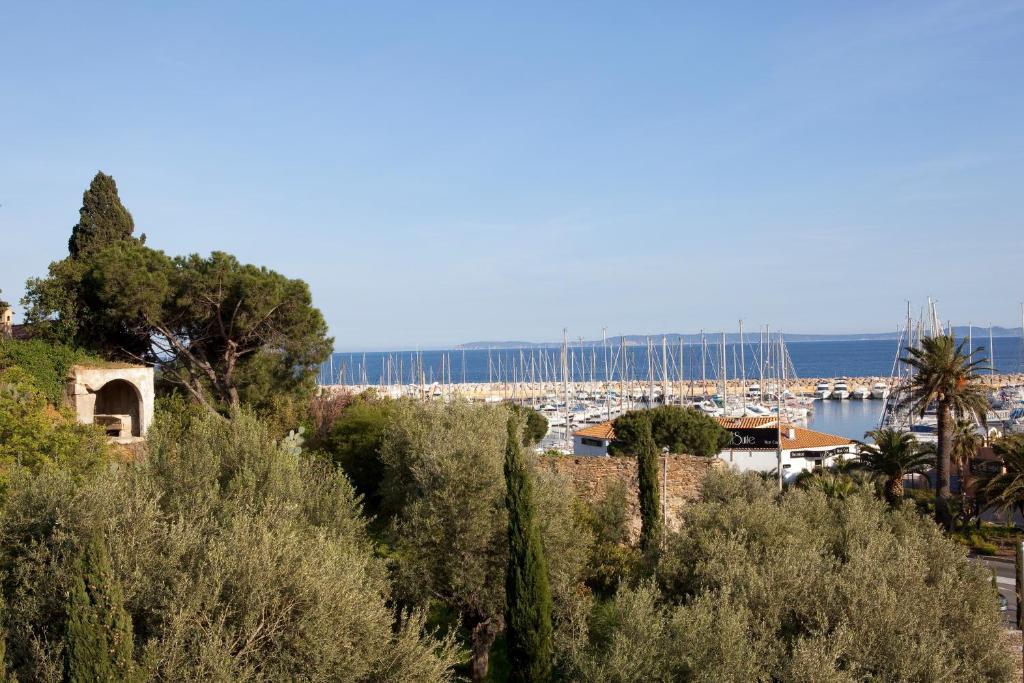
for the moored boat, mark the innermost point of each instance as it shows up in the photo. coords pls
(840, 390)
(880, 390)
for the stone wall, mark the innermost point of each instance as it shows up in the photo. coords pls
(125, 389)
(679, 478)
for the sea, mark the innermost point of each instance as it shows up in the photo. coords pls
(806, 359)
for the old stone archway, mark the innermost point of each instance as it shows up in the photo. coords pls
(119, 398)
(118, 403)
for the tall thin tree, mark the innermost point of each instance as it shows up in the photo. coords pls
(528, 598)
(647, 474)
(99, 641)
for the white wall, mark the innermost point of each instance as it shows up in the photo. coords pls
(766, 461)
(580, 448)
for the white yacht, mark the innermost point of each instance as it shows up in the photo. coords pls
(710, 408)
(823, 390)
(880, 390)
(861, 393)
(754, 392)
(840, 390)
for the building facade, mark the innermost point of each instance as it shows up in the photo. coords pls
(754, 447)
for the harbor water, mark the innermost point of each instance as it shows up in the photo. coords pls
(869, 358)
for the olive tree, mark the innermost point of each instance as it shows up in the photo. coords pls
(445, 489)
(762, 586)
(238, 559)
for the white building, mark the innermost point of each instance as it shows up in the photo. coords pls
(755, 445)
(593, 440)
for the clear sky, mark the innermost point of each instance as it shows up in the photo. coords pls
(447, 172)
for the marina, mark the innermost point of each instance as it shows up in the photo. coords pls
(581, 383)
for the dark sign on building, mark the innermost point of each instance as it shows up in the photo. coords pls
(754, 438)
(831, 453)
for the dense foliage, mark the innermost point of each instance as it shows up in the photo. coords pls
(353, 443)
(35, 437)
(46, 364)
(238, 558)
(102, 220)
(758, 587)
(893, 455)
(1004, 489)
(223, 332)
(680, 430)
(63, 306)
(444, 486)
(535, 425)
(99, 642)
(230, 554)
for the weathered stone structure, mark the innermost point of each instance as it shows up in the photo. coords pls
(119, 397)
(6, 321)
(679, 476)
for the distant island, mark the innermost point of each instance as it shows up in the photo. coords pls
(673, 338)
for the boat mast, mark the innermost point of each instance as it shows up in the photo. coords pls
(650, 373)
(681, 378)
(725, 376)
(703, 365)
(664, 370)
(622, 371)
(607, 379)
(565, 381)
(991, 356)
(743, 372)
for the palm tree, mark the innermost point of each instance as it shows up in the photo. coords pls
(947, 376)
(894, 455)
(966, 442)
(1004, 490)
(831, 484)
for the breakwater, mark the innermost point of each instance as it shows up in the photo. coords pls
(805, 360)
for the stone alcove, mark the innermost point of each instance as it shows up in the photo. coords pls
(119, 398)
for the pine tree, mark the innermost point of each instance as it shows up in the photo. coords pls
(528, 599)
(98, 642)
(647, 471)
(102, 220)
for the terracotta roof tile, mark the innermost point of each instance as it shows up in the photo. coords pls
(746, 422)
(599, 431)
(808, 438)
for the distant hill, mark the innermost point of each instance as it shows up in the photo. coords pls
(672, 338)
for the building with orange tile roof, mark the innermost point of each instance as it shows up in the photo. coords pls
(754, 447)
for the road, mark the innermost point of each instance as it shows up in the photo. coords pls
(1005, 583)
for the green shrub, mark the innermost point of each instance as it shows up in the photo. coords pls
(46, 363)
(36, 437)
(762, 586)
(238, 559)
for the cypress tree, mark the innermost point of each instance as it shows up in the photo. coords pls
(3, 642)
(98, 641)
(102, 220)
(528, 599)
(647, 471)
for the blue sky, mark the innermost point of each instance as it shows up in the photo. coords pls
(446, 172)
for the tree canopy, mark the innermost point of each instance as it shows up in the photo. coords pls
(102, 220)
(680, 430)
(221, 331)
(211, 321)
(758, 586)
